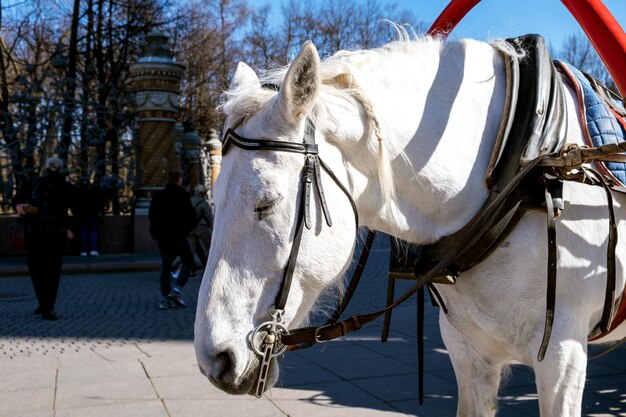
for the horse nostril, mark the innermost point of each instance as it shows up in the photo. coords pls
(224, 364)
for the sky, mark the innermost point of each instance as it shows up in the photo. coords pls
(505, 18)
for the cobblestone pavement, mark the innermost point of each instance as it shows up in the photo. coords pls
(112, 352)
(94, 311)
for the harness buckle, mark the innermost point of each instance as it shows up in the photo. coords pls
(318, 335)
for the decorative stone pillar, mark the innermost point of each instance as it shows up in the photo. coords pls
(191, 156)
(179, 131)
(215, 156)
(156, 85)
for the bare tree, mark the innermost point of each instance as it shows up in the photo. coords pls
(63, 82)
(264, 46)
(64, 68)
(579, 52)
(209, 43)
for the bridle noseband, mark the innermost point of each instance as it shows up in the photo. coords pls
(270, 344)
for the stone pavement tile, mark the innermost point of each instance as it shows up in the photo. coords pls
(104, 392)
(170, 366)
(315, 408)
(514, 411)
(101, 373)
(610, 390)
(368, 368)
(434, 405)
(611, 360)
(602, 406)
(120, 353)
(336, 352)
(293, 359)
(404, 387)
(234, 406)
(27, 379)
(170, 348)
(20, 363)
(596, 368)
(187, 387)
(517, 376)
(406, 324)
(82, 358)
(306, 373)
(29, 402)
(31, 413)
(521, 398)
(341, 393)
(396, 345)
(600, 370)
(152, 408)
(435, 359)
(445, 374)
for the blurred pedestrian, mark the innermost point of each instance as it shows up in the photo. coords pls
(43, 203)
(87, 215)
(200, 237)
(172, 217)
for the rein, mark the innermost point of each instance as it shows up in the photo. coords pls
(274, 338)
(465, 248)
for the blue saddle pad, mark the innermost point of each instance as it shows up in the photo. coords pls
(602, 124)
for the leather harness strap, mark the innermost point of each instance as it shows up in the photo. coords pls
(311, 335)
(551, 281)
(513, 192)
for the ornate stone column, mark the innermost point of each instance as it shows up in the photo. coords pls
(156, 85)
(191, 156)
(179, 131)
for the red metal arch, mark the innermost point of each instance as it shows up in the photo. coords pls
(605, 34)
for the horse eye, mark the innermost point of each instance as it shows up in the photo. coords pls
(264, 207)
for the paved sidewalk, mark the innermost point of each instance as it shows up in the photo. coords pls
(113, 353)
(12, 266)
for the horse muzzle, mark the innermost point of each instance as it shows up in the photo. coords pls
(223, 370)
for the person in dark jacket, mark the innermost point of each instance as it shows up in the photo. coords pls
(172, 217)
(200, 237)
(43, 203)
(87, 215)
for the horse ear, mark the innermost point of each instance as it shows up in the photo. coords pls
(244, 75)
(302, 84)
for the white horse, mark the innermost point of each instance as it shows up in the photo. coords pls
(437, 107)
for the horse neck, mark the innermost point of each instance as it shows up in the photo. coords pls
(439, 109)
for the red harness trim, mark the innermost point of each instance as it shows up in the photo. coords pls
(582, 120)
(620, 317)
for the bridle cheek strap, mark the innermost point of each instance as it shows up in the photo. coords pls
(310, 177)
(270, 333)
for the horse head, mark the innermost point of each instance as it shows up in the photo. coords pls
(257, 207)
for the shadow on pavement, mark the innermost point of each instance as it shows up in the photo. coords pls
(94, 310)
(359, 372)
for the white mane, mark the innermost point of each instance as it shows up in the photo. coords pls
(345, 77)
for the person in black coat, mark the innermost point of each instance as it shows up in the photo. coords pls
(43, 203)
(172, 217)
(87, 216)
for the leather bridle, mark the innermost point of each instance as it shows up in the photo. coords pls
(271, 344)
(273, 337)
